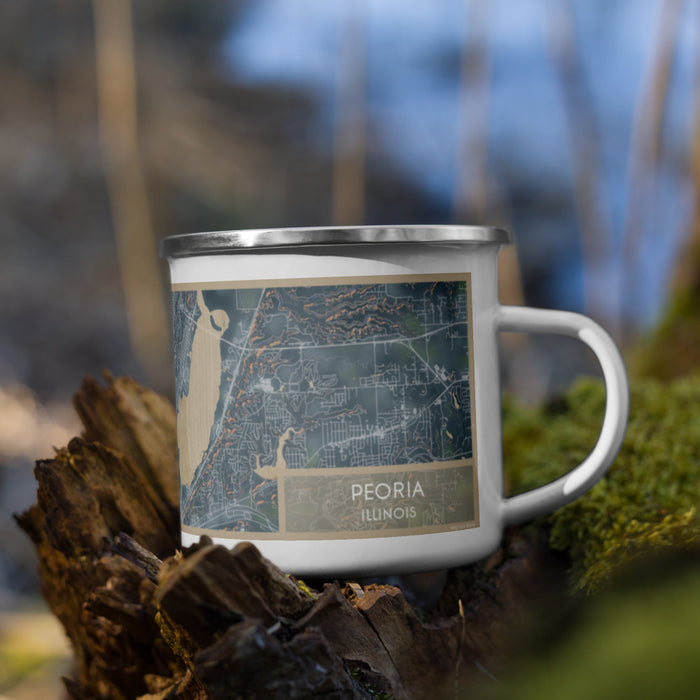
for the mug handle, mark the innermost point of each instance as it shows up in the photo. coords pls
(545, 499)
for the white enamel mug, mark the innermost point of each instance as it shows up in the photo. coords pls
(338, 395)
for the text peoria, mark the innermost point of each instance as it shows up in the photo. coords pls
(382, 492)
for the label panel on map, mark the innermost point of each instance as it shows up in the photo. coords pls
(326, 408)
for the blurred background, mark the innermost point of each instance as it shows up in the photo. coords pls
(576, 123)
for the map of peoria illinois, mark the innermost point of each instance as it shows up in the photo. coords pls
(279, 387)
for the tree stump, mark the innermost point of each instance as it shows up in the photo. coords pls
(148, 621)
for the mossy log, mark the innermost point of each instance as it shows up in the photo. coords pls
(147, 620)
(648, 501)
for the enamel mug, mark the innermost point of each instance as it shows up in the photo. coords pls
(338, 395)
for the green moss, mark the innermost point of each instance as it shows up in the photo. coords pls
(359, 678)
(305, 588)
(672, 350)
(640, 641)
(648, 499)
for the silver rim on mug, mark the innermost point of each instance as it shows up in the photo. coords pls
(213, 242)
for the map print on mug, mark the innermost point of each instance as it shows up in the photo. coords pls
(326, 407)
(339, 401)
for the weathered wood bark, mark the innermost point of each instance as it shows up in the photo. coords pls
(148, 621)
